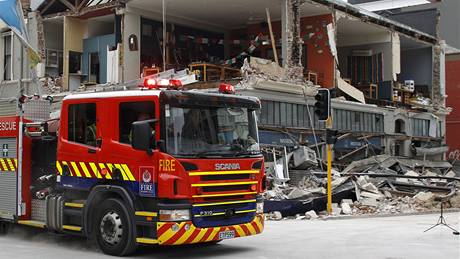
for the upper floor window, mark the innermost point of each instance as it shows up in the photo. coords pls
(7, 56)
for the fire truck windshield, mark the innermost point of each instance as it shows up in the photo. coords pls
(211, 131)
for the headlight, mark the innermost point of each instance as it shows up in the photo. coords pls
(260, 207)
(174, 215)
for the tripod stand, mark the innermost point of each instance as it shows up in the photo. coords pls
(442, 222)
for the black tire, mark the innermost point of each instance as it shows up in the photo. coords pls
(4, 227)
(114, 230)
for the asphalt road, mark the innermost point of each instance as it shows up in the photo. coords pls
(381, 237)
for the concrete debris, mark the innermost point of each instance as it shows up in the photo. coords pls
(336, 210)
(275, 215)
(51, 85)
(376, 196)
(370, 188)
(450, 174)
(311, 215)
(346, 209)
(297, 193)
(379, 185)
(304, 158)
(372, 202)
(424, 196)
(348, 201)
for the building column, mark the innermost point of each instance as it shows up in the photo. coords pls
(291, 40)
(284, 31)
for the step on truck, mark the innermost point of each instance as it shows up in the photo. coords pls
(139, 167)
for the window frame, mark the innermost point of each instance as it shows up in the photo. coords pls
(70, 105)
(4, 36)
(117, 137)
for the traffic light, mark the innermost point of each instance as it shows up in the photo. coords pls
(323, 104)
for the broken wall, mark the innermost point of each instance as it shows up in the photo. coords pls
(319, 56)
(453, 91)
(74, 33)
(131, 58)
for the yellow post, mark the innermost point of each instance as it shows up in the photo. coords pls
(329, 179)
(329, 170)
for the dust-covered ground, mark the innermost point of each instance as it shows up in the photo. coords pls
(378, 237)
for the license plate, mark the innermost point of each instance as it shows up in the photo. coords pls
(226, 234)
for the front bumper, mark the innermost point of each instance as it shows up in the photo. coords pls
(180, 233)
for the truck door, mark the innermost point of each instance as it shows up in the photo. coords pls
(80, 143)
(126, 163)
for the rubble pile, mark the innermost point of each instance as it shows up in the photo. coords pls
(51, 85)
(376, 185)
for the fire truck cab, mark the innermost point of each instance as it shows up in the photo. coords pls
(134, 167)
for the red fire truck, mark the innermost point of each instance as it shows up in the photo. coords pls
(148, 166)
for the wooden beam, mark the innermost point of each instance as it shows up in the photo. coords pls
(80, 6)
(47, 6)
(68, 4)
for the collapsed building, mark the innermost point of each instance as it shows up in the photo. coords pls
(388, 77)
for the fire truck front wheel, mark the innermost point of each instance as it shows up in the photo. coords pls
(114, 229)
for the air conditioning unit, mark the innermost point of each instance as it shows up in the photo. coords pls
(362, 53)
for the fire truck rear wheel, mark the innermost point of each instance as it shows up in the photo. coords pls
(114, 229)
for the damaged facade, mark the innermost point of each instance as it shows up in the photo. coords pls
(387, 76)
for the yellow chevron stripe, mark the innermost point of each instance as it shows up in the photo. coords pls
(85, 170)
(259, 224)
(65, 163)
(199, 236)
(75, 168)
(10, 163)
(213, 234)
(222, 203)
(107, 175)
(95, 170)
(222, 184)
(185, 236)
(251, 229)
(4, 167)
(59, 168)
(16, 162)
(110, 167)
(223, 194)
(169, 233)
(128, 172)
(224, 172)
(125, 177)
(240, 231)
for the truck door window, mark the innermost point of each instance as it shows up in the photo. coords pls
(82, 123)
(130, 112)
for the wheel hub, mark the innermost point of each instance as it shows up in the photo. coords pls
(111, 228)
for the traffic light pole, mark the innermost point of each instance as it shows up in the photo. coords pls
(329, 169)
(324, 112)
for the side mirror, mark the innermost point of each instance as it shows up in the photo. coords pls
(143, 136)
